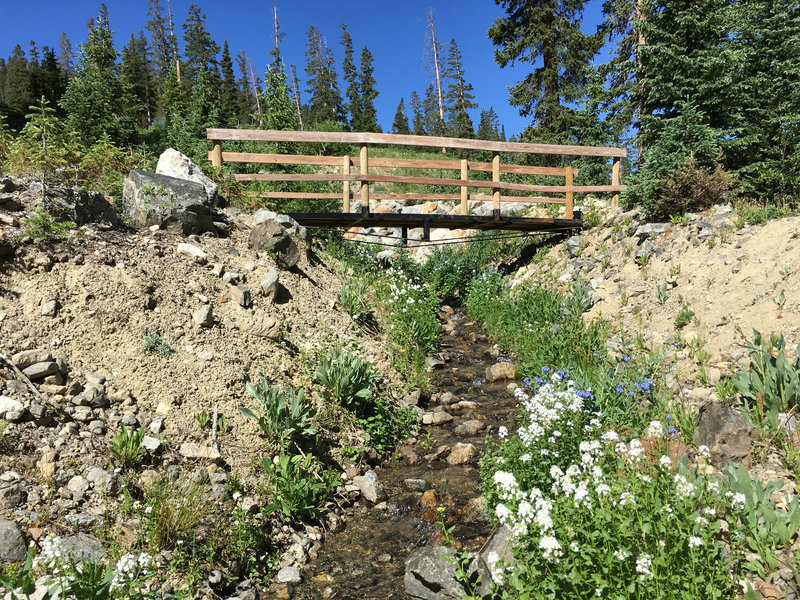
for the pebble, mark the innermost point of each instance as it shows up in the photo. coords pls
(415, 485)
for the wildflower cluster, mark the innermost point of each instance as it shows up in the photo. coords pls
(595, 515)
(413, 306)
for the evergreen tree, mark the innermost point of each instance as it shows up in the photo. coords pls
(350, 77)
(174, 101)
(96, 100)
(187, 132)
(547, 35)
(17, 91)
(489, 126)
(431, 118)
(33, 70)
(66, 55)
(400, 124)
(200, 51)
(459, 96)
(766, 152)
(325, 103)
(3, 70)
(52, 80)
(279, 111)
(249, 87)
(278, 36)
(367, 115)
(229, 101)
(161, 55)
(137, 76)
(417, 118)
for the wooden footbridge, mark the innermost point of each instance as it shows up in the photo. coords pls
(558, 188)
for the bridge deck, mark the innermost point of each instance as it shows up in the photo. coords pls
(428, 221)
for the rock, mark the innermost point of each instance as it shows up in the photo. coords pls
(267, 327)
(26, 358)
(428, 499)
(151, 444)
(78, 485)
(177, 165)
(240, 294)
(469, 428)
(499, 544)
(370, 487)
(41, 370)
(462, 454)
(204, 316)
(448, 398)
(262, 215)
(647, 249)
(728, 435)
(431, 576)
(80, 206)
(91, 396)
(476, 509)
(102, 480)
(649, 230)
(500, 371)
(10, 495)
(173, 204)
(82, 546)
(12, 544)
(82, 520)
(50, 308)
(415, 485)
(130, 421)
(441, 417)
(289, 575)
(191, 252)
(11, 410)
(574, 246)
(269, 285)
(198, 451)
(273, 237)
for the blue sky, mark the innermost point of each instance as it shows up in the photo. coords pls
(393, 31)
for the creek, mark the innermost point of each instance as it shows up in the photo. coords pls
(365, 558)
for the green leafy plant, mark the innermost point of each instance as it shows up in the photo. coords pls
(674, 270)
(780, 300)
(157, 345)
(785, 271)
(578, 300)
(42, 225)
(297, 485)
(771, 383)
(661, 293)
(764, 526)
(679, 219)
(697, 350)
(353, 298)
(282, 414)
(348, 379)
(684, 317)
(203, 418)
(643, 260)
(126, 447)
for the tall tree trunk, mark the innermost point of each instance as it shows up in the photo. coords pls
(296, 94)
(255, 90)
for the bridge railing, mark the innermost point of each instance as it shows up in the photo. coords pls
(363, 163)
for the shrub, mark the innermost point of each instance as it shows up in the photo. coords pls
(282, 414)
(155, 344)
(42, 225)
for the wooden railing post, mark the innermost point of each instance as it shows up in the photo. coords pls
(615, 181)
(496, 179)
(364, 170)
(464, 189)
(346, 185)
(570, 202)
(216, 154)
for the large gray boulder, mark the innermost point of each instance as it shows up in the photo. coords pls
(174, 164)
(173, 204)
(273, 237)
(12, 544)
(728, 435)
(430, 576)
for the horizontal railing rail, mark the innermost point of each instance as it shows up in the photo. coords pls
(364, 162)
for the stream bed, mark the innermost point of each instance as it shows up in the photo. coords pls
(365, 558)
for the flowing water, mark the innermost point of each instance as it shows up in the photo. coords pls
(366, 558)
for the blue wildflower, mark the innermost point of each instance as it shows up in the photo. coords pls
(526, 382)
(538, 380)
(627, 358)
(671, 431)
(546, 369)
(619, 388)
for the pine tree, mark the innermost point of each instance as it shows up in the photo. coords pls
(136, 74)
(459, 96)
(350, 76)
(174, 101)
(96, 100)
(434, 126)
(160, 48)
(66, 55)
(3, 70)
(279, 111)
(546, 31)
(17, 86)
(248, 101)
(52, 80)
(229, 101)
(400, 124)
(325, 104)
(200, 51)
(368, 116)
(33, 70)
(417, 118)
(277, 36)
(489, 126)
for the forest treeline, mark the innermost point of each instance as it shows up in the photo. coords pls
(706, 94)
